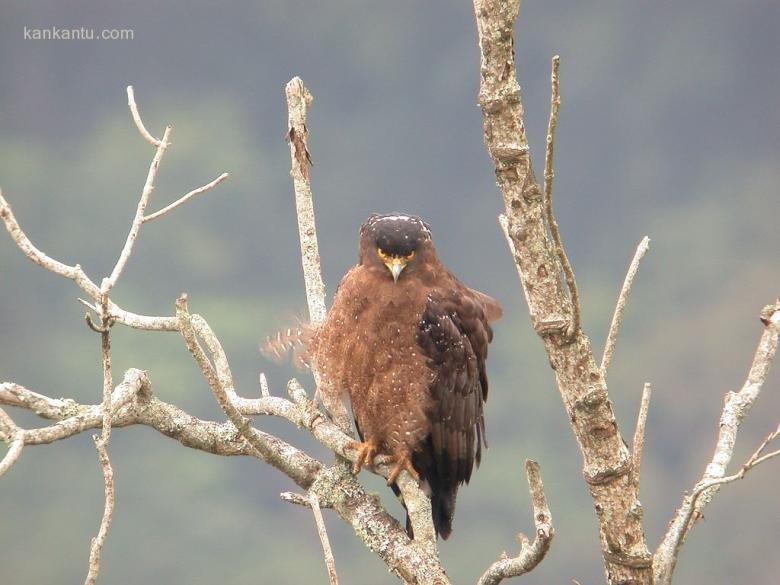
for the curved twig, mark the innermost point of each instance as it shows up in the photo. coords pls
(531, 554)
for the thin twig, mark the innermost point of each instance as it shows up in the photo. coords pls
(736, 407)
(298, 101)
(552, 223)
(264, 391)
(531, 554)
(639, 434)
(15, 436)
(183, 199)
(12, 455)
(754, 460)
(108, 511)
(138, 220)
(105, 350)
(330, 563)
(617, 317)
(295, 498)
(137, 119)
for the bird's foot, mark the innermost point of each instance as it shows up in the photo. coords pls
(402, 463)
(366, 451)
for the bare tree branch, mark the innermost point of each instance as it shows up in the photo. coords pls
(292, 462)
(531, 554)
(552, 224)
(606, 459)
(96, 547)
(101, 443)
(137, 119)
(617, 317)
(133, 404)
(15, 437)
(146, 192)
(639, 435)
(736, 407)
(264, 391)
(298, 101)
(330, 563)
(184, 198)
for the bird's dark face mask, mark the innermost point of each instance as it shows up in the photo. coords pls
(393, 242)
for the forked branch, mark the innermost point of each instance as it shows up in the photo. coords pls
(735, 409)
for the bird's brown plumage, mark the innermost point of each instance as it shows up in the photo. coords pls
(408, 349)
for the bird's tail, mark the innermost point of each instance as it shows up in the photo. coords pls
(293, 341)
(442, 509)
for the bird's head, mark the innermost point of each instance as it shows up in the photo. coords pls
(394, 243)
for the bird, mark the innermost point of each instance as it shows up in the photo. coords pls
(405, 343)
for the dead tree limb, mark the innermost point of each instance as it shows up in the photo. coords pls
(606, 460)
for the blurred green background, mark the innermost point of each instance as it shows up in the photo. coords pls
(669, 127)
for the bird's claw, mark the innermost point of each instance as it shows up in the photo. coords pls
(366, 452)
(402, 463)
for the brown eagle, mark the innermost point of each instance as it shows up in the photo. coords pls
(406, 341)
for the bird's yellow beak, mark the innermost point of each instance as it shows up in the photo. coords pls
(395, 265)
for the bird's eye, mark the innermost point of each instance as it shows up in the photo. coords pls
(410, 255)
(381, 253)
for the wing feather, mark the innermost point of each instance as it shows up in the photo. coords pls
(454, 335)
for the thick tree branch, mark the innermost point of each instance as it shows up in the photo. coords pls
(133, 404)
(531, 554)
(606, 459)
(736, 407)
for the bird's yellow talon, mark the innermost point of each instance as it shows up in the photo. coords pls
(402, 463)
(366, 452)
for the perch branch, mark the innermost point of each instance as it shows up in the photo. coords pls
(736, 407)
(330, 563)
(298, 101)
(133, 404)
(531, 554)
(552, 223)
(617, 317)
